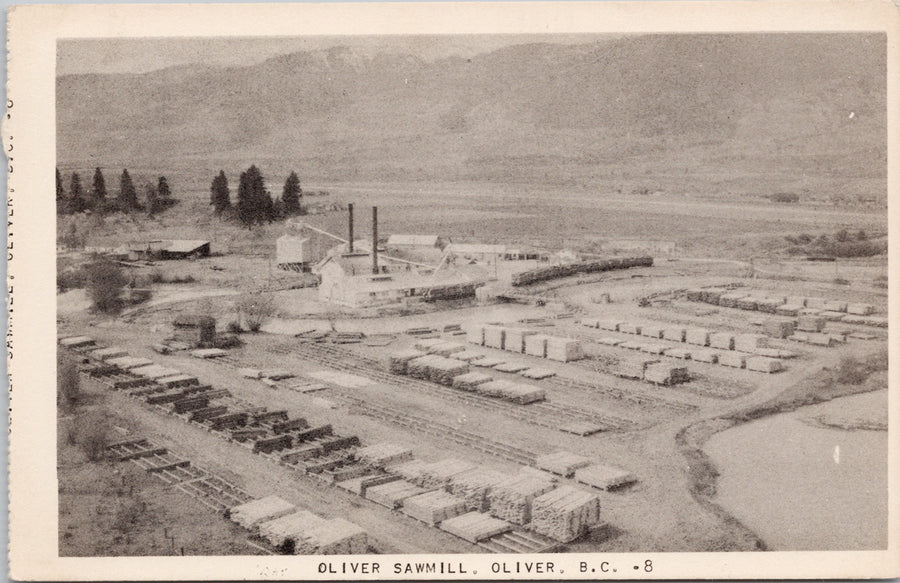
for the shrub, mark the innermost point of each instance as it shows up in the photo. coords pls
(68, 384)
(104, 284)
(129, 515)
(234, 327)
(91, 432)
(255, 309)
(70, 279)
(850, 371)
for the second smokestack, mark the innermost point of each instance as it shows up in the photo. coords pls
(375, 240)
(350, 247)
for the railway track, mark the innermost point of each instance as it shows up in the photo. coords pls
(543, 414)
(641, 399)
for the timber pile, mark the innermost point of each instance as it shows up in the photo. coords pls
(519, 393)
(810, 324)
(678, 353)
(398, 361)
(410, 471)
(515, 339)
(475, 334)
(359, 485)
(820, 339)
(698, 336)
(633, 368)
(653, 348)
(537, 373)
(663, 373)
(494, 336)
(208, 353)
(511, 499)
(487, 362)
(333, 537)
(860, 309)
(733, 359)
(835, 306)
(792, 310)
(563, 463)
(565, 514)
(474, 486)
(603, 477)
(290, 526)
(392, 494)
(778, 328)
(631, 345)
(590, 322)
(475, 526)
(747, 303)
(536, 345)
(609, 341)
(750, 342)
(250, 373)
(426, 344)
(439, 473)
(710, 356)
(611, 325)
(434, 507)
(447, 348)
(443, 370)
(721, 340)
(382, 454)
(251, 514)
(154, 371)
(769, 305)
(652, 331)
(108, 353)
(629, 328)
(764, 364)
(512, 367)
(467, 355)
(468, 381)
(674, 334)
(832, 316)
(277, 374)
(564, 349)
(730, 300)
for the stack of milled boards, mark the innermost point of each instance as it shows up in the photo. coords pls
(522, 341)
(279, 521)
(456, 373)
(565, 513)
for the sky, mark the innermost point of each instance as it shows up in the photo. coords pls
(141, 55)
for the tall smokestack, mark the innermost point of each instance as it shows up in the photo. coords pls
(350, 208)
(375, 240)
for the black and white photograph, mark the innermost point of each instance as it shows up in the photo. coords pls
(550, 304)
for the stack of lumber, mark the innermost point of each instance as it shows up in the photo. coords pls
(512, 498)
(470, 380)
(290, 526)
(820, 339)
(392, 494)
(678, 353)
(382, 454)
(443, 370)
(799, 336)
(434, 507)
(769, 305)
(474, 487)
(764, 364)
(359, 485)
(609, 341)
(721, 340)
(590, 322)
(631, 345)
(108, 353)
(332, 537)
(603, 477)
(633, 368)
(447, 348)
(475, 334)
(515, 339)
(629, 328)
(653, 348)
(796, 301)
(730, 300)
(750, 342)
(475, 526)
(652, 331)
(835, 306)
(511, 367)
(154, 371)
(565, 514)
(832, 316)
(487, 362)
(563, 463)
(410, 471)
(398, 361)
(674, 334)
(537, 373)
(77, 341)
(536, 345)
(663, 373)
(467, 355)
(208, 353)
(426, 344)
(178, 380)
(250, 373)
(439, 473)
(816, 303)
(251, 514)
(810, 324)
(860, 309)
(710, 356)
(788, 310)
(563, 349)
(698, 336)
(694, 295)
(510, 391)
(494, 336)
(611, 325)
(778, 328)
(712, 295)
(733, 359)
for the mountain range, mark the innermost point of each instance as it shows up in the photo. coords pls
(711, 108)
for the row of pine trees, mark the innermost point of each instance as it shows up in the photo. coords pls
(76, 199)
(254, 203)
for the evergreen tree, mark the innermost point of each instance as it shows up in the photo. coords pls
(291, 194)
(127, 194)
(77, 203)
(254, 204)
(219, 196)
(98, 192)
(162, 189)
(60, 194)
